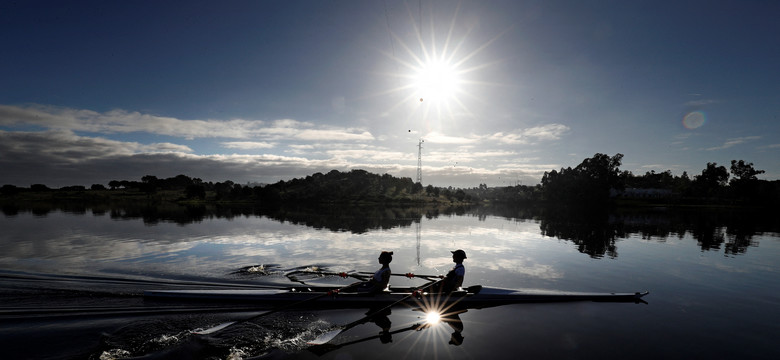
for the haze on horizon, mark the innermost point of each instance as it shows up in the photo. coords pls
(265, 91)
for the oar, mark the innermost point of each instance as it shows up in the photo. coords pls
(325, 348)
(328, 336)
(411, 275)
(292, 274)
(231, 323)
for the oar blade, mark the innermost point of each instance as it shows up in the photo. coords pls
(326, 337)
(214, 329)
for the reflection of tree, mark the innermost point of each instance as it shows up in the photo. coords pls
(731, 229)
(590, 230)
(358, 219)
(706, 231)
(595, 231)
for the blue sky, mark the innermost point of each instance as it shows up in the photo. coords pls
(261, 91)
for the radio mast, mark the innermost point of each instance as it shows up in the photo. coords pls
(419, 161)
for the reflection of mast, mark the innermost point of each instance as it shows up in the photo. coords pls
(418, 225)
(419, 161)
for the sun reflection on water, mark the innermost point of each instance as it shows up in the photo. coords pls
(432, 318)
(438, 325)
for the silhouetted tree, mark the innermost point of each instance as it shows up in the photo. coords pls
(39, 187)
(711, 181)
(9, 190)
(745, 185)
(195, 191)
(743, 171)
(268, 195)
(589, 182)
(149, 184)
(149, 179)
(460, 195)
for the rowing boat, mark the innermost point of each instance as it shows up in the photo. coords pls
(477, 296)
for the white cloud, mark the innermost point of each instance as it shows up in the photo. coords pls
(65, 146)
(247, 145)
(335, 134)
(439, 138)
(121, 121)
(531, 135)
(733, 142)
(699, 103)
(547, 132)
(86, 147)
(376, 155)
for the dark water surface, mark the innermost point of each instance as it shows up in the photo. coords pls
(72, 281)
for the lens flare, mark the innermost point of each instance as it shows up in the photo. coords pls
(432, 318)
(436, 81)
(694, 119)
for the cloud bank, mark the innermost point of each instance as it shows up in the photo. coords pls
(62, 146)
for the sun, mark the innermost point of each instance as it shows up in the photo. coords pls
(436, 81)
(439, 72)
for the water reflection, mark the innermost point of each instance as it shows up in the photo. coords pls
(446, 327)
(594, 231)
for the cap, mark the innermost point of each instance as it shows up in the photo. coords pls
(459, 253)
(386, 254)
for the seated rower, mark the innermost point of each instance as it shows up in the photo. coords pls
(381, 278)
(454, 278)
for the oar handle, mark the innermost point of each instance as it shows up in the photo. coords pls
(413, 275)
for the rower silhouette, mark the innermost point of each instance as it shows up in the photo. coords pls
(381, 278)
(454, 278)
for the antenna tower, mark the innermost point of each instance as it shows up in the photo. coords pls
(419, 161)
(418, 225)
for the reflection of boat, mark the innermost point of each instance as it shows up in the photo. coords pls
(474, 296)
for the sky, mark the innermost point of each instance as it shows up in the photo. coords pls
(486, 92)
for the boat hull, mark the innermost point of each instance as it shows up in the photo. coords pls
(482, 297)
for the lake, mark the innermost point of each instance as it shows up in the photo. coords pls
(72, 281)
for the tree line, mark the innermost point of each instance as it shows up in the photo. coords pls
(599, 178)
(596, 180)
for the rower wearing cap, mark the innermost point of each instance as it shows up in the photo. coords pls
(454, 278)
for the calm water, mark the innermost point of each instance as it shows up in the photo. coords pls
(71, 282)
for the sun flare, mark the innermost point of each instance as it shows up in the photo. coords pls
(438, 69)
(436, 81)
(432, 318)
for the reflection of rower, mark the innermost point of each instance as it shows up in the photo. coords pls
(385, 336)
(453, 320)
(451, 317)
(384, 323)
